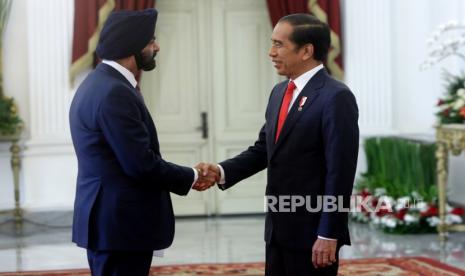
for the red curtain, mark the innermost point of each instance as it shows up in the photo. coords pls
(89, 17)
(327, 11)
(280, 8)
(133, 4)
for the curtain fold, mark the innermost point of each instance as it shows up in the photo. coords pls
(89, 18)
(327, 11)
(280, 8)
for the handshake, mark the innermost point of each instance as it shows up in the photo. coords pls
(208, 175)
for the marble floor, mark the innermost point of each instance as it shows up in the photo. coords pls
(205, 240)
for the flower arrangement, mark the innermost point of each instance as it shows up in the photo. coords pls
(10, 123)
(405, 215)
(398, 192)
(452, 105)
(447, 40)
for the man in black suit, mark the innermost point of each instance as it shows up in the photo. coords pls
(122, 210)
(309, 143)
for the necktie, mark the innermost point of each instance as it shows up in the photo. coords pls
(284, 107)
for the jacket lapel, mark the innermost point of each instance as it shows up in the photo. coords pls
(311, 91)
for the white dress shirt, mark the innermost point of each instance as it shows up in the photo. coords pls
(123, 70)
(132, 80)
(300, 83)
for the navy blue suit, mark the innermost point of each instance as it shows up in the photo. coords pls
(123, 186)
(316, 154)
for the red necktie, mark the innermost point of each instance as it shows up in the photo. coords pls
(285, 107)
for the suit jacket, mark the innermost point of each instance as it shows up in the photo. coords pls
(122, 197)
(316, 154)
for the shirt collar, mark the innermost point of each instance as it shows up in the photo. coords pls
(303, 79)
(123, 70)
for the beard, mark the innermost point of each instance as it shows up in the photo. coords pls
(146, 61)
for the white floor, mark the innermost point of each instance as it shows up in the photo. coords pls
(212, 240)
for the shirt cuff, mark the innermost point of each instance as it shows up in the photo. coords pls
(196, 177)
(159, 253)
(222, 179)
(328, 239)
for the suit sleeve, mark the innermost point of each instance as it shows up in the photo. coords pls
(341, 141)
(121, 122)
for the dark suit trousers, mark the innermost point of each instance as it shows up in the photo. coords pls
(119, 263)
(281, 261)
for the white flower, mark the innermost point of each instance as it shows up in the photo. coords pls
(376, 220)
(452, 23)
(433, 221)
(403, 202)
(453, 219)
(458, 104)
(461, 92)
(443, 107)
(389, 221)
(446, 40)
(409, 219)
(422, 206)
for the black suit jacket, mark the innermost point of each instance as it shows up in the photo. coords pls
(316, 154)
(123, 184)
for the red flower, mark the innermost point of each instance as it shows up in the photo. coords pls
(365, 193)
(432, 211)
(401, 213)
(458, 211)
(446, 112)
(382, 212)
(383, 209)
(440, 102)
(462, 112)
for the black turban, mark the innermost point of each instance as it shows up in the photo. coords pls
(126, 33)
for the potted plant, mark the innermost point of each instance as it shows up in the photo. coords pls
(10, 122)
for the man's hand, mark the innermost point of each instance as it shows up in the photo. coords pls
(324, 253)
(209, 175)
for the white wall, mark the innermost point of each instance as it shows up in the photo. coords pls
(37, 57)
(385, 42)
(15, 80)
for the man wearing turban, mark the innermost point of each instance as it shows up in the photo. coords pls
(122, 209)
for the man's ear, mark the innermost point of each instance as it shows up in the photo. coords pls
(308, 51)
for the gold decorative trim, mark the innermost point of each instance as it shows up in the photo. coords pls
(335, 50)
(450, 139)
(86, 60)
